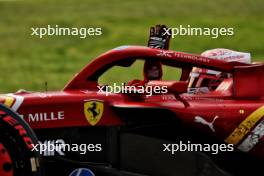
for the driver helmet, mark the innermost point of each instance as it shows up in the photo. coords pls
(205, 80)
(152, 70)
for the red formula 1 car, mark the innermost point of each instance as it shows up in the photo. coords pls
(132, 133)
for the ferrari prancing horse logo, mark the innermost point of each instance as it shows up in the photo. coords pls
(93, 111)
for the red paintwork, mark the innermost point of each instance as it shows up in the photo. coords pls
(226, 102)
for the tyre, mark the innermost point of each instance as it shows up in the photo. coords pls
(17, 157)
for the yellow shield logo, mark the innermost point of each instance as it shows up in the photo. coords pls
(93, 111)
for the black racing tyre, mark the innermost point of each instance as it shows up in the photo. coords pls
(17, 157)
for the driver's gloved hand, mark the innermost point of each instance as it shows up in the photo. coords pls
(159, 38)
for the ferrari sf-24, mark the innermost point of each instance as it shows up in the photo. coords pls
(214, 101)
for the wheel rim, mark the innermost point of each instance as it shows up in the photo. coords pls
(5, 162)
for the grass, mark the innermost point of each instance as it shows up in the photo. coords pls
(27, 62)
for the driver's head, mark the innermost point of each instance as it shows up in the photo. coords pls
(152, 70)
(205, 80)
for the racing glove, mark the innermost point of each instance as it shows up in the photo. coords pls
(159, 37)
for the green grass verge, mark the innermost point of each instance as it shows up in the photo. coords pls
(28, 62)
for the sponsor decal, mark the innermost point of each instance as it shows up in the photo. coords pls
(44, 116)
(244, 128)
(192, 57)
(82, 172)
(12, 101)
(202, 99)
(51, 147)
(44, 95)
(8, 101)
(93, 111)
(21, 130)
(163, 53)
(189, 57)
(201, 120)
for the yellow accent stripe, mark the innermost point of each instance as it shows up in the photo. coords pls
(8, 100)
(244, 128)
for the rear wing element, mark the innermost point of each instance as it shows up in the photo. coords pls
(248, 81)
